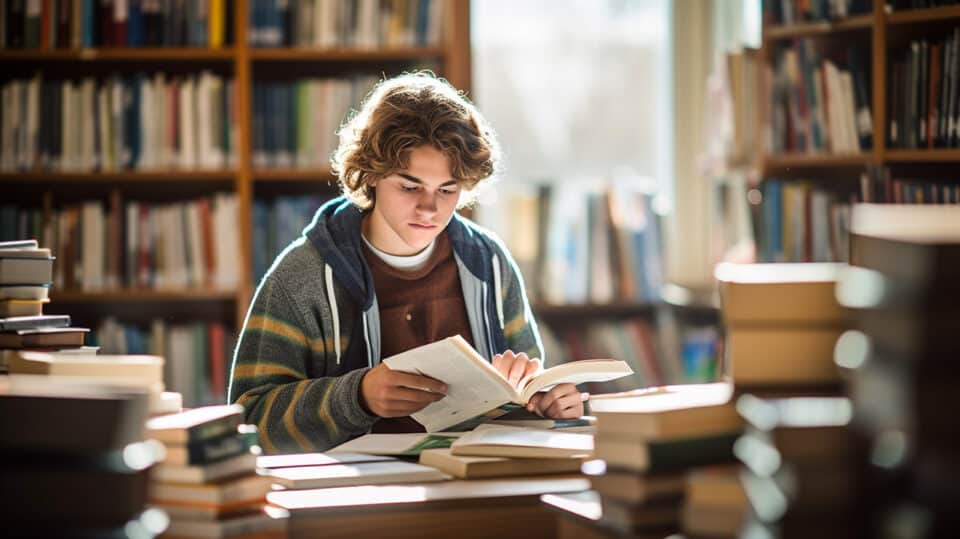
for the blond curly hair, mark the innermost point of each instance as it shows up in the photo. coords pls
(406, 112)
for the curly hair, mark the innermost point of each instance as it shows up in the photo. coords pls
(406, 112)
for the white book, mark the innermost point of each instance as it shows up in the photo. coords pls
(204, 126)
(147, 127)
(243, 464)
(181, 359)
(93, 251)
(227, 242)
(435, 23)
(33, 122)
(399, 444)
(215, 98)
(246, 488)
(103, 160)
(325, 24)
(116, 122)
(476, 389)
(849, 111)
(366, 473)
(133, 234)
(142, 370)
(506, 441)
(160, 121)
(194, 238)
(368, 24)
(188, 128)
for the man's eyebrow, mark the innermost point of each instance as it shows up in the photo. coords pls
(415, 179)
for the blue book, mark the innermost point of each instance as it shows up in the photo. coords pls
(88, 23)
(135, 23)
(773, 220)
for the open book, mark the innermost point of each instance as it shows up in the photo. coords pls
(476, 391)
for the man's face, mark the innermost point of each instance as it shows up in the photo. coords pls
(413, 206)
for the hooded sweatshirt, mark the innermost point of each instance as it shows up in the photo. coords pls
(313, 328)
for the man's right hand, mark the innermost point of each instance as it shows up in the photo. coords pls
(388, 393)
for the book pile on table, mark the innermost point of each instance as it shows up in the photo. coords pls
(782, 322)
(714, 504)
(208, 482)
(647, 441)
(26, 272)
(902, 363)
(75, 459)
(802, 469)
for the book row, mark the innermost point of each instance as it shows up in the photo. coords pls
(139, 122)
(295, 123)
(198, 354)
(136, 244)
(364, 24)
(35, 24)
(797, 11)
(576, 245)
(819, 103)
(923, 80)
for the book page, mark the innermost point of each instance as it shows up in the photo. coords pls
(577, 372)
(473, 385)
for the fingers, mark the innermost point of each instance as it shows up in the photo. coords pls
(563, 401)
(515, 367)
(518, 369)
(416, 381)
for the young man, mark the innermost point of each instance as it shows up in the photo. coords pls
(386, 268)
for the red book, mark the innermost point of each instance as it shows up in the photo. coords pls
(206, 233)
(119, 23)
(218, 363)
(46, 24)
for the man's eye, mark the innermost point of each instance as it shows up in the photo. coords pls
(409, 188)
(448, 191)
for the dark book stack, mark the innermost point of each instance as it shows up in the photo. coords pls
(75, 462)
(802, 468)
(208, 483)
(715, 505)
(26, 272)
(798, 11)
(879, 185)
(902, 361)
(647, 441)
(782, 322)
(923, 105)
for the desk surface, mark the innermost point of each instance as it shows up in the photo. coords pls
(508, 507)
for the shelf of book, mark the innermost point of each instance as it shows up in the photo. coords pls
(936, 155)
(123, 176)
(344, 55)
(924, 15)
(850, 24)
(132, 54)
(141, 294)
(815, 160)
(588, 310)
(292, 174)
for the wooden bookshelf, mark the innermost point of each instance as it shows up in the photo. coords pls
(451, 58)
(132, 54)
(914, 16)
(937, 155)
(780, 162)
(141, 295)
(860, 23)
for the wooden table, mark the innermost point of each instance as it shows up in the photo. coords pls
(508, 507)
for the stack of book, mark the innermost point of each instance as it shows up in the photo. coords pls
(26, 272)
(803, 466)
(75, 460)
(782, 322)
(902, 360)
(647, 440)
(140, 371)
(208, 481)
(714, 504)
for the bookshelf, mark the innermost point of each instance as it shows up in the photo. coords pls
(900, 150)
(239, 64)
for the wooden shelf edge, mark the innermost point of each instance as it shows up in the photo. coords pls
(119, 53)
(345, 55)
(292, 174)
(63, 296)
(816, 160)
(923, 15)
(849, 24)
(119, 176)
(940, 155)
(549, 310)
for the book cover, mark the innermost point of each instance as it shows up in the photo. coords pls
(466, 467)
(475, 387)
(196, 424)
(505, 441)
(366, 473)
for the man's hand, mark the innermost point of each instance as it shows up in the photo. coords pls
(515, 367)
(563, 401)
(389, 393)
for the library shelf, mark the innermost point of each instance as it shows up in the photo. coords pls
(924, 15)
(344, 55)
(849, 24)
(587, 310)
(141, 295)
(936, 155)
(815, 160)
(125, 54)
(122, 176)
(306, 174)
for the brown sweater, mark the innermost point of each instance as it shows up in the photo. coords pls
(417, 308)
